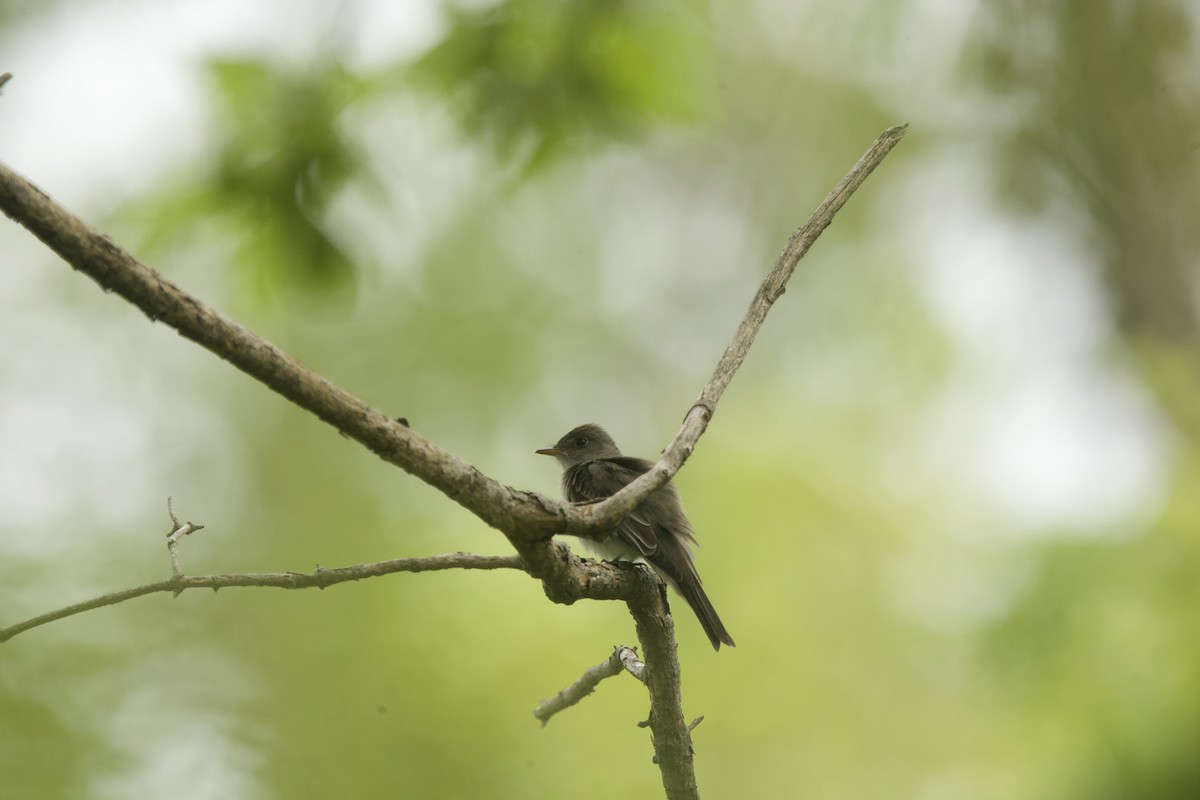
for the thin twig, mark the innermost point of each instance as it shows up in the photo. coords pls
(178, 531)
(603, 516)
(623, 658)
(319, 579)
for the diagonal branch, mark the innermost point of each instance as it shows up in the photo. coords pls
(319, 579)
(773, 286)
(524, 516)
(622, 658)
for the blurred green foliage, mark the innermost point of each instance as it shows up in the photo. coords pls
(898, 637)
(279, 157)
(1109, 109)
(534, 78)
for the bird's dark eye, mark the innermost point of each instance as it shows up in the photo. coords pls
(581, 441)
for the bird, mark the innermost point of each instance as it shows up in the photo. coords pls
(657, 531)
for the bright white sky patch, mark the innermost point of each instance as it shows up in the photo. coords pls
(1038, 417)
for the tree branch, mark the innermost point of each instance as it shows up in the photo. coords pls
(670, 735)
(319, 578)
(622, 658)
(615, 508)
(177, 532)
(525, 516)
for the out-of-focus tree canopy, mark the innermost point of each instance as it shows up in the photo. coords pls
(949, 509)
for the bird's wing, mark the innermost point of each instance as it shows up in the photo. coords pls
(604, 477)
(658, 529)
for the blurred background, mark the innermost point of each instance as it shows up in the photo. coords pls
(949, 508)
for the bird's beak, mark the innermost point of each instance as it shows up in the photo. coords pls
(548, 451)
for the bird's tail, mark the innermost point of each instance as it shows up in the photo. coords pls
(693, 592)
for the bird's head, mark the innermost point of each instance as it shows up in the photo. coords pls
(585, 443)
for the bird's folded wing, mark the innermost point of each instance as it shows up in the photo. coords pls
(596, 480)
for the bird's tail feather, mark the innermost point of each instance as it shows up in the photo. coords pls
(698, 600)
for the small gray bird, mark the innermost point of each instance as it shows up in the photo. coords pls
(657, 531)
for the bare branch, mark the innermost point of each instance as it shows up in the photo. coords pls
(5, 78)
(668, 732)
(319, 579)
(623, 658)
(631, 663)
(178, 531)
(603, 516)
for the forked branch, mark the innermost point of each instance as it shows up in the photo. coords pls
(527, 519)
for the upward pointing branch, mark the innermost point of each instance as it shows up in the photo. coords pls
(602, 517)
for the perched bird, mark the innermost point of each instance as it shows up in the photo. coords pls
(657, 531)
